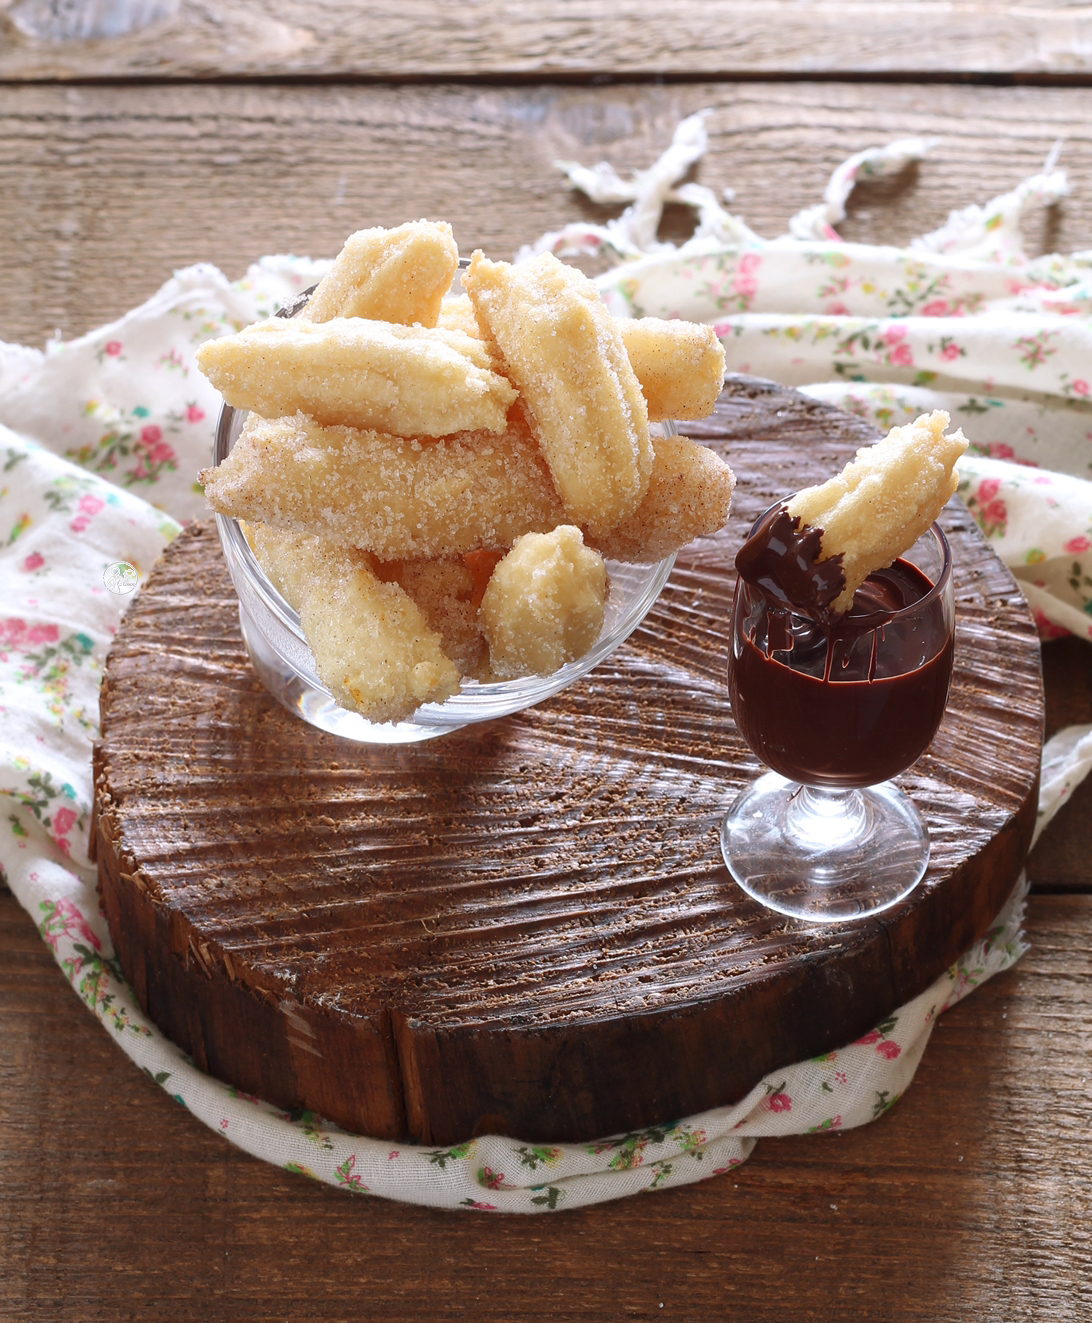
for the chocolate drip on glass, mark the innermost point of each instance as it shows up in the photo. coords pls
(781, 557)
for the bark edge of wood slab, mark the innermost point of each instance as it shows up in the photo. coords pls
(526, 927)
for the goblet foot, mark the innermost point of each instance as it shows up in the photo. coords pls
(824, 855)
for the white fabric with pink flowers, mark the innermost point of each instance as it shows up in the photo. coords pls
(101, 440)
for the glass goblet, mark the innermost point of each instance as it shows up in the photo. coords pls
(835, 710)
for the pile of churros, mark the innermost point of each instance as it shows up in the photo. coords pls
(433, 481)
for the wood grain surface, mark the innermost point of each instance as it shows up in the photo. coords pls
(104, 191)
(430, 38)
(1060, 860)
(971, 1199)
(526, 928)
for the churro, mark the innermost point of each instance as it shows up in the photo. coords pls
(814, 551)
(397, 497)
(447, 595)
(405, 499)
(562, 349)
(372, 646)
(357, 373)
(689, 495)
(398, 275)
(544, 603)
(680, 366)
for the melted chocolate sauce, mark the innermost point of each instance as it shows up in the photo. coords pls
(846, 702)
(781, 558)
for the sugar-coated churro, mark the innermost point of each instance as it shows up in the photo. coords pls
(563, 350)
(689, 495)
(372, 646)
(446, 593)
(394, 496)
(544, 603)
(406, 499)
(397, 275)
(358, 373)
(680, 366)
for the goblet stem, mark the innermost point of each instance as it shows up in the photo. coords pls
(821, 817)
(824, 854)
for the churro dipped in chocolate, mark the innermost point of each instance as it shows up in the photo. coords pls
(813, 552)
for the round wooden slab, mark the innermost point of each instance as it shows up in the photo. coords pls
(526, 927)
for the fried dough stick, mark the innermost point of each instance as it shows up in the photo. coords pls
(689, 496)
(358, 373)
(883, 500)
(680, 366)
(403, 499)
(544, 603)
(397, 275)
(373, 648)
(399, 498)
(446, 593)
(562, 349)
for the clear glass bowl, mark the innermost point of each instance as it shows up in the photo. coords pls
(283, 661)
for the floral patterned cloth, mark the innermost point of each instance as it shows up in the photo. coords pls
(126, 401)
(100, 442)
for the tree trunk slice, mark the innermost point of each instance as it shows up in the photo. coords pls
(526, 927)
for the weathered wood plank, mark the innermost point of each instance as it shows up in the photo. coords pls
(1061, 859)
(495, 38)
(972, 1194)
(105, 190)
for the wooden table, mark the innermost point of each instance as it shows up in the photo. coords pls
(224, 132)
